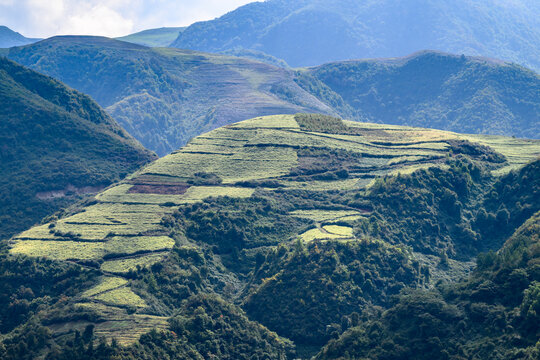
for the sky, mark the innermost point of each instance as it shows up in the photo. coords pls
(112, 18)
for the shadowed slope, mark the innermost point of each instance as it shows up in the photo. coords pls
(56, 144)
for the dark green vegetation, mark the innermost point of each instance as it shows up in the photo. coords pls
(491, 315)
(9, 38)
(56, 145)
(318, 288)
(435, 90)
(164, 97)
(318, 31)
(288, 237)
(30, 283)
(161, 37)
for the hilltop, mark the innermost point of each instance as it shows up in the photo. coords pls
(57, 145)
(435, 90)
(319, 31)
(9, 38)
(264, 237)
(164, 97)
(161, 37)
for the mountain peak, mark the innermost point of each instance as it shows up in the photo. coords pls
(10, 38)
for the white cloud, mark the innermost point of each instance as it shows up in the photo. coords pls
(44, 18)
(97, 20)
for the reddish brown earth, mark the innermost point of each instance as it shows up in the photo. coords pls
(158, 189)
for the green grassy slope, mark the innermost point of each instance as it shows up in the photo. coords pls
(437, 90)
(293, 222)
(161, 37)
(164, 97)
(9, 38)
(318, 31)
(56, 144)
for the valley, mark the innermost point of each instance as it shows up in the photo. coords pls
(164, 96)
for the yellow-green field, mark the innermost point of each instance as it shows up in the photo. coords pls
(107, 283)
(124, 265)
(125, 328)
(328, 232)
(122, 296)
(339, 230)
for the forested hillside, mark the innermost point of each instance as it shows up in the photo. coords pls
(435, 90)
(56, 145)
(164, 97)
(491, 315)
(286, 236)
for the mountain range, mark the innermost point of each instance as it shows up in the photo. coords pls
(164, 97)
(319, 31)
(292, 180)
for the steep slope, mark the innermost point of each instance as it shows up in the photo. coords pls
(161, 37)
(492, 315)
(56, 144)
(311, 32)
(9, 38)
(282, 215)
(164, 97)
(437, 90)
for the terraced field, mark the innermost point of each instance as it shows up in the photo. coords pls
(329, 232)
(123, 230)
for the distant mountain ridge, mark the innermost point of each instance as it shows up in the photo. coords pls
(163, 97)
(312, 32)
(161, 37)
(9, 38)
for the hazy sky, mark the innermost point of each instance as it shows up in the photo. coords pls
(45, 18)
